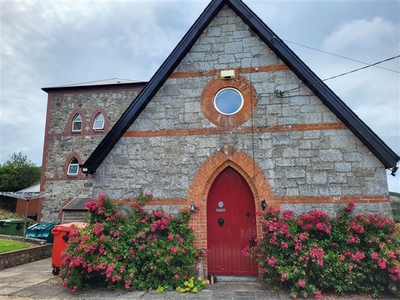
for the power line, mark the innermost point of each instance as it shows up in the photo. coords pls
(340, 75)
(362, 68)
(344, 57)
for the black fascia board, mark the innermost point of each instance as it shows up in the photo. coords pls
(95, 86)
(136, 107)
(388, 158)
(378, 147)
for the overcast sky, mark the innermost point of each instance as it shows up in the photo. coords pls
(52, 43)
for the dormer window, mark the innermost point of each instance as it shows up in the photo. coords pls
(77, 123)
(73, 167)
(98, 122)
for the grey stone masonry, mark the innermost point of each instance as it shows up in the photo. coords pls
(62, 143)
(297, 163)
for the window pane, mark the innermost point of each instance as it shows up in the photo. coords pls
(228, 101)
(77, 123)
(99, 122)
(73, 169)
(77, 126)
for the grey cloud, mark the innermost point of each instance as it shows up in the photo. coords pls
(54, 43)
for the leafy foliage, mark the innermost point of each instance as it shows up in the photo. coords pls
(313, 252)
(133, 250)
(16, 174)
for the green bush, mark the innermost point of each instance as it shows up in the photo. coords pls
(131, 250)
(313, 253)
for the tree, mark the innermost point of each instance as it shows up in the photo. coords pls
(16, 174)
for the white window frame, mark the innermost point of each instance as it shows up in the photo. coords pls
(229, 89)
(73, 167)
(97, 121)
(75, 121)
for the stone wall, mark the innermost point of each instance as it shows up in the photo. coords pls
(305, 152)
(19, 257)
(61, 144)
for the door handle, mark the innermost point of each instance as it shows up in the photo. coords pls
(221, 222)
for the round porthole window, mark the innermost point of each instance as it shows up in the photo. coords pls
(228, 101)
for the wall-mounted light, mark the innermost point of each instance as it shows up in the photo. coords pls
(193, 207)
(227, 74)
(263, 205)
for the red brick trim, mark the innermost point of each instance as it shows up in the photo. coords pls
(161, 201)
(45, 152)
(219, 130)
(333, 199)
(228, 121)
(209, 170)
(216, 72)
(250, 129)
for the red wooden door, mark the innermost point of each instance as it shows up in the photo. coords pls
(230, 225)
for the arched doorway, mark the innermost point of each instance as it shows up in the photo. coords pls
(231, 225)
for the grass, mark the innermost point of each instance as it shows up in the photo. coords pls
(11, 245)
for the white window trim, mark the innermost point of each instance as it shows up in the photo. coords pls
(235, 112)
(73, 163)
(96, 121)
(75, 121)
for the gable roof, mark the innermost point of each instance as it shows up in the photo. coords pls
(387, 157)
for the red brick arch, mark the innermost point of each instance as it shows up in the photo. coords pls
(228, 121)
(225, 157)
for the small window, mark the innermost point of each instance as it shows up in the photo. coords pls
(99, 122)
(77, 123)
(228, 101)
(73, 167)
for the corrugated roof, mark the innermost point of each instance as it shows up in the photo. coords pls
(77, 204)
(31, 189)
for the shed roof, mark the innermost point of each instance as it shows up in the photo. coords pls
(32, 189)
(77, 204)
(387, 156)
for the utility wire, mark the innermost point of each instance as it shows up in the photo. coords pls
(344, 57)
(362, 68)
(346, 73)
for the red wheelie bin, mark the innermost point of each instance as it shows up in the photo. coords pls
(60, 233)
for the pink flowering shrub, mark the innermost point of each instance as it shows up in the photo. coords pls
(132, 250)
(313, 253)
